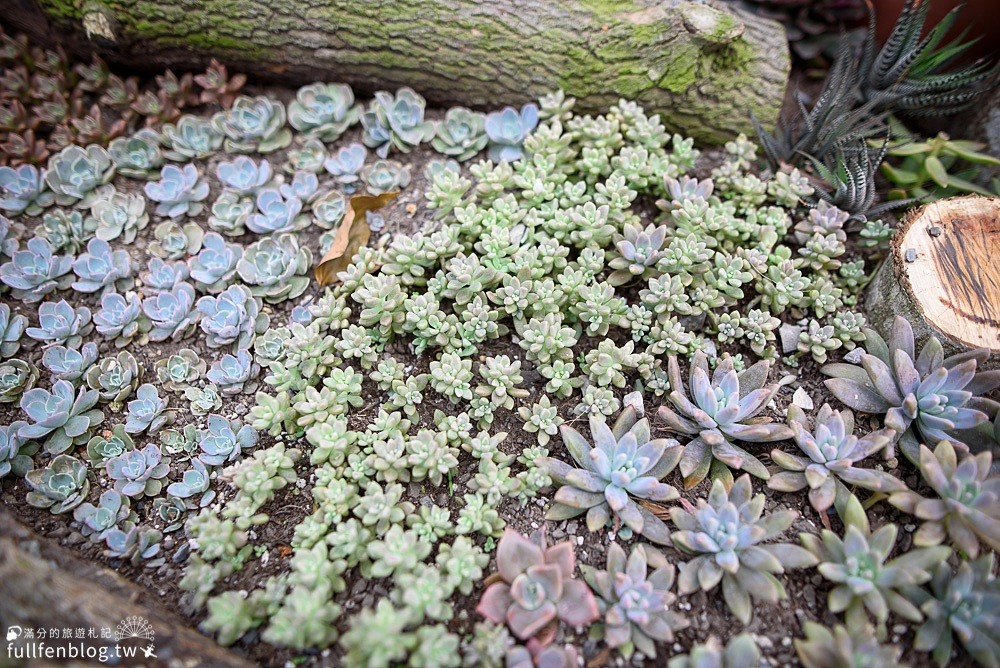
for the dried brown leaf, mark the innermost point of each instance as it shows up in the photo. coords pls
(351, 236)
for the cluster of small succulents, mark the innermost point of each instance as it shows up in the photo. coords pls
(544, 291)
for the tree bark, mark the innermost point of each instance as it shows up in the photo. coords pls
(43, 585)
(941, 275)
(703, 67)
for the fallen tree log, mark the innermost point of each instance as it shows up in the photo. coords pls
(703, 67)
(942, 275)
(43, 585)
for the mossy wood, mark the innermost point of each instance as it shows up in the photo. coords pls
(943, 275)
(43, 585)
(704, 67)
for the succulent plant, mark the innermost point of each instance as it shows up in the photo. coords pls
(307, 156)
(15, 452)
(384, 176)
(191, 138)
(276, 214)
(139, 473)
(147, 412)
(171, 313)
(968, 510)
(717, 414)
(60, 323)
(346, 163)
(230, 214)
(172, 241)
(243, 176)
(120, 318)
(102, 270)
(75, 175)
(203, 400)
(9, 242)
(34, 272)
(740, 652)
(831, 452)
(726, 534)
(134, 543)
(253, 125)
(177, 372)
(323, 111)
(194, 481)
(507, 130)
(235, 374)
(16, 378)
(623, 464)
(635, 604)
(925, 396)
(214, 267)
(11, 328)
(67, 363)
(225, 440)
(114, 378)
(67, 230)
(120, 215)
(276, 268)
(535, 586)
(462, 134)
(396, 122)
(638, 253)
(232, 318)
(23, 190)
(109, 444)
(138, 156)
(178, 192)
(217, 86)
(965, 603)
(164, 275)
(329, 209)
(304, 185)
(60, 487)
(864, 579)
(844, 646)
(111, 510)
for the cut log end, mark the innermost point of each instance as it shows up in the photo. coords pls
(943, 274)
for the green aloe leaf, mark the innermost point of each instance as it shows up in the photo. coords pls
(936, 171)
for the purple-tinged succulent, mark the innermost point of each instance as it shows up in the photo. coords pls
(534, 654)
(232, 318)
(726, 535)
(253, 125)
(685, 189)
(243, 176)
(34, 272)
(178, 192)
(120, 318)
(507, 130)
(23, 191)
(61, 486)
(968, 508)
(15, 452)
(831, 452)
(925, 397)
(638, 252)
(134, 543)
(719, 413)
(61, 324)
(966, 603)
(68, 363)
(102, 270)
(345, 165)
(534, 586)
(324, 110)
(623, 464)
(75, 175)
(139, 473)
(121, 215)
(147, 412)
(740, 652)
(138, 156)
(276, 214)
(193, 481)
(635, 604)
(396, 122)
(864, 578)
(61, 418)
(171, 313)
(823, 219)
(225, 440)
(214, 267)
(165, 276)
(276, 268)
(304, 185)
(11, 329)
(111, 510)
(234, 374)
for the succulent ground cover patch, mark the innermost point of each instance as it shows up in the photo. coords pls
(544, 416)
